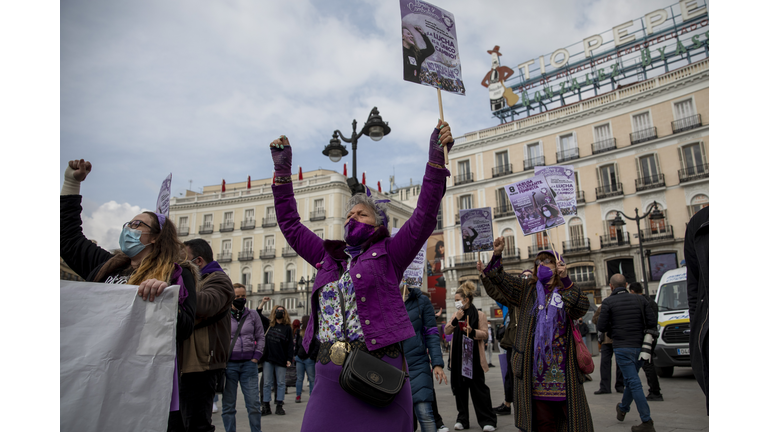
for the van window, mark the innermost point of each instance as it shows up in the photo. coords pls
(673, 296)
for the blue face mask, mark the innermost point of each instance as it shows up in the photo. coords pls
(130, 242)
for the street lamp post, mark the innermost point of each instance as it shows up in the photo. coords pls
(655, 214)
(309, 283)
(374, 127)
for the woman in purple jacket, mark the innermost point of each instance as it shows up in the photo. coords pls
(360, 274)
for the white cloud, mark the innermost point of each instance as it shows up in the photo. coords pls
(106, 222)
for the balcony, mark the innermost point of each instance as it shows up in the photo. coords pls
(603, 146)
(503, 211)
(317, 215)
(206, 229)
(248, 224)
(288, 287)
(465, 259)
(652, 182)
(248, 289)
(267, 222)
(501, 170)
(510, 253)
(686, 123)
(661, 234)
(580, 197)
(611, 190)
(535, 249)
(227, 226)
(265, 288)
(585, 282)
(289, 252)
(568, 154)
(697, 172)
(183, 231)
(267, 253)
(224, 257)
(463, 178)
(643, 135)
(246, 255)
(528, 164)
(579, 245)
(619, 240)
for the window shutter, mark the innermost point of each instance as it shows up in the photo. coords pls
(680, 155)
(599, 179)
(639, 171)
(703, 152)
(618, 176)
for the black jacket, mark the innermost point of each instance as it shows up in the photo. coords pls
(278, 345)
(622, 318)
(298, 347)
(697, 264)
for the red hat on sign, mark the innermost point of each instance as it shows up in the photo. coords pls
(494, 50)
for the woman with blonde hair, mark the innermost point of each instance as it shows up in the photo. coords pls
(278, 354)
(468, 321)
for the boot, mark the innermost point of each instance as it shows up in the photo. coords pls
(265, 409)
(279, 408)
(644, 427)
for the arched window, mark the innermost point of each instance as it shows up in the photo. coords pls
(268, 275)
(290, 273)
(245, 278)
(614, 233)
(510, 250)
(698, 202)
(576, 229)
(656, 226)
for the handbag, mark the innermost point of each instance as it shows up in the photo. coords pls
(583, 356)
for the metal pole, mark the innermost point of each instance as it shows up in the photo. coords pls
(640, 239)
(354, 150)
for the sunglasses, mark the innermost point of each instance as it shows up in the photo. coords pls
(135, 224)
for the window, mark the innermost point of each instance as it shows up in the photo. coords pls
(248, 244)
(692, 158)
(245, 278)
(502, 201)
(541, 241)
(533, 151)
(269, 242)
(267, 275)
(603, 133)
(289, 303)
(464, 170)
(228, 217)
(465, 202)
(395, 222)
(208, 221)
(439, 218)
(502, 160)
(249, 215)
(647, 170)
(271, 213)
(684, 109)
(290, 273)
(608, 179)
(183, 222)
(615, 233)
(319, 233)
(582, 274)
(577, 181)
(567, 142)
(319, 204)
(641, 122)
(697, 203)
(656, 226)
(509, 243)
(576, 230)
(268, 306)
(226, 247)
(534, 156)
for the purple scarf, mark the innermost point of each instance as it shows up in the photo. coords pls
(176, 279)
(211, 267)
(547, 317)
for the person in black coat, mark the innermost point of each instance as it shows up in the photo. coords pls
(413, 56)
(696, 251)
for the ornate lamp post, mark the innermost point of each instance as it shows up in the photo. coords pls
(309, 284)
(655, 214)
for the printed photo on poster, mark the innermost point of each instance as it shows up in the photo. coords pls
(562, 180)
(413, 276)
(466, 356)
(534, 205)
(430, 46)
(476, 229)
(435, 263)
(662, 263)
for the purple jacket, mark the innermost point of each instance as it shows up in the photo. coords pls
(376, 273)
(250, 342)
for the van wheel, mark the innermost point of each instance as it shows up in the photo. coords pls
(665, 372)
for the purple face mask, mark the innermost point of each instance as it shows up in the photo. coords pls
(356, 233)
(544, 274)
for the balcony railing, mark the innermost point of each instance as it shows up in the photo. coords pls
(603, 146)
(465, 259)
(643, 135)
(588, 282)
(288, 287)
(528, 164)
(268, 222)
(248, 224)
(184, 231)
(510, 253)
(224, 257)
(576, 245)
(205, 229)
(317, 215)
(664, 233)
(580, 197)
(620, 239)
(289, 252)
(535, 249)
(248, 289)
(501, 170)
(610, 190)
(265, 288)
(503, 211)
(569, 154)
(227, 226)
(464, 178)
(267, 253)
(652, 182)
(246, 255)
(697, 172)
(686, 123)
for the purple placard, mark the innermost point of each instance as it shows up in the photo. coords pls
(503, 365)
(562, 180)
(466, 356)
(476, 229)
(430, 46)
(534, 205)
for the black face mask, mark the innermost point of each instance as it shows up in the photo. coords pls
(279, 314)
(239, 304)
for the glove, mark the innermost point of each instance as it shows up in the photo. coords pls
(282, 157)
(645, 353)
(435, 151)
(74, 174)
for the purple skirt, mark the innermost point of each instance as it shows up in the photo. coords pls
(330, 408)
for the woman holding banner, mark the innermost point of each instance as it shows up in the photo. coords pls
(413, 56)
(151, 256)
(549, 392)
(357, 308)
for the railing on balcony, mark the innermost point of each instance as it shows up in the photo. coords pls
(652, 182)
(246, 255)
(502, 170)
(697, 172)
(603, 146)
(535, 249)
(610, 190)
(267, 253)
(288, 287)
(183, 231)
(205, 229)
(585, 282)
(686, 123)
(317, 215)
(289, 252)
(227, 226)
(576, 245)
(643, 135)
(620, 239)
(269, 222)
(568, 154)
(464, 178)
(265, 288)
(528, 164)
(503, 211)
(465, 259)
(510, 253)
(248, 289)
(224, 257)
(664, 233)
(248, 224)
(580, 197)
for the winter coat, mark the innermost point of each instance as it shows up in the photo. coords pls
(519, 292)
(507, 341)
(250, 341)
(622, 318)
(422, 351)
(480, 335)
(697, 263)
(300, 352)
(279, 345)
(376, 272)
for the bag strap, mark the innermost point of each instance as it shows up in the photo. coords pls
(237, 333)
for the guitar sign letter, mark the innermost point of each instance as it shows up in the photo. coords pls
(494, 80)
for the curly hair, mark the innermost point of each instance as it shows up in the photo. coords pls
(376, 208)
(467, 290)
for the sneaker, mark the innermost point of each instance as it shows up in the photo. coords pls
(489, 428)
(298, 399)
(644, 427)
(619, 413)
(503, 409)
(279, 409)
(265, 409)
(490, 365)
(603, 392)
(655, 397)
(443, 428)
(215, 408)
(458, 426)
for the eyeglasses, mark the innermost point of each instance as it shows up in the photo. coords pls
(544, 261)
(135, 224)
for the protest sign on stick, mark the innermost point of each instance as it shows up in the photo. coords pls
(534, 205)
(477, 229)
(562, 180)
(413, 276)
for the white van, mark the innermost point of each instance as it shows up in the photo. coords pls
(674, 324)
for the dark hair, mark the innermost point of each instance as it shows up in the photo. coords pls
(636, 287)
(550, 208)
(438, 245)
(200, 248)
(555, 277)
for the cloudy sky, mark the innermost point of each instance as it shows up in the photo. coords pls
(199, 88)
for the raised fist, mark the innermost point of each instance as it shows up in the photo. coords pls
(498, 245)
(81, 169)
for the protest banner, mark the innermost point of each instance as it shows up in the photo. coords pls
(413, 276)
(117, 357)
(562, 180)
(466, 356)
(534, 205)
(476, 229)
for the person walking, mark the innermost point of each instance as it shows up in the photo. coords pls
(469, 321)
(631, 321)
(606, 349)
(305, 361)
(278, 355)
(247, 348)
(696, 251)
(654, 389)
(356, 301)
(549, 392)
